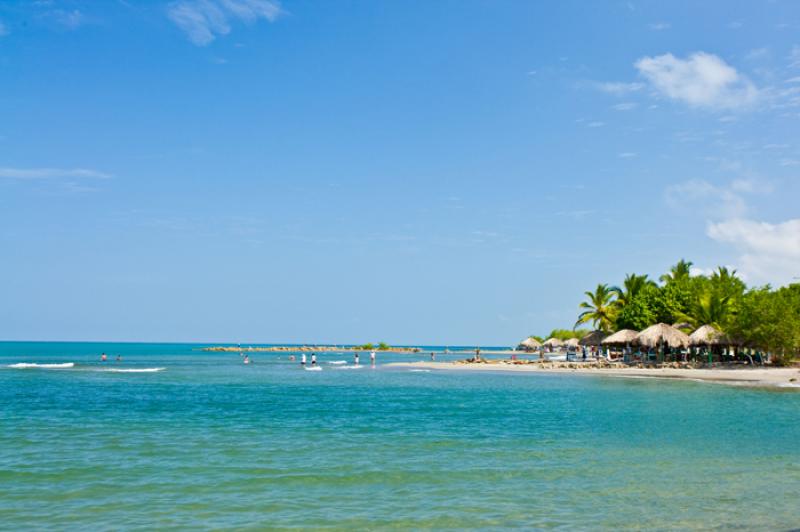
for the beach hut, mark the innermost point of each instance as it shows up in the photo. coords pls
(529, 344)
(593, 339)
(552, 343)
(707, 336)
(660, 336)
(571, 342)
(620, 339)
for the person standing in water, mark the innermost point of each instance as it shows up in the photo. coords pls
(313, 359)
(246, 359)
(119, 358)
(433, 356)
(355, 358)
(303, 360)
(372, 358)
(103, 357)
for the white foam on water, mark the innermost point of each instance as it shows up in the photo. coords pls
(337, 362)
(313, 368)
(419, 370)
(132, 370)
(31, 365)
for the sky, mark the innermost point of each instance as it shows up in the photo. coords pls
(415, 172)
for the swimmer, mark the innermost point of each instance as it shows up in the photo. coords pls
(303, 359)
(291, 357)
(119, 358)
(103, 357)
(246, 359)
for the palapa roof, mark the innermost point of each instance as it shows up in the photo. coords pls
(621, 337)
(555, 342)
(529, 343)
(661, 333)
(571, 342)
(708, 335)
(593, 338)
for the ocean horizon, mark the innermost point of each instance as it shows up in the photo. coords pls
(171, 436)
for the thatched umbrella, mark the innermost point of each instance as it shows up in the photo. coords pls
(593, 338)
(623, 337)
(529, 344)
(708, 336)
(570, 342)
(553, 342)
(662, 334)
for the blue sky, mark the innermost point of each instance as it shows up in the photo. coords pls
(452, 172)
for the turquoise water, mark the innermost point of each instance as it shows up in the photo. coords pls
(211, 443)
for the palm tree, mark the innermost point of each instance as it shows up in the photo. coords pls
(599, 308)
(631, 287)
(679, 272)
(709, 308)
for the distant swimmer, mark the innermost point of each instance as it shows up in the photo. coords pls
(246, 359)
(355, 358)
(303, 359)
(103, 357)
(313, 359)
(119, 358)
(372, 357)
(291, 357)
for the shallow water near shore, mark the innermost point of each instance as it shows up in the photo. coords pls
(208, 442)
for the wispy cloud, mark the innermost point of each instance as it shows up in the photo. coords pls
(769, 252)
(52, 173)
(596, 123)
(627, 155)
(701, 80)
(204, 20)
(660, 26)
(625, 106)
(618, 88)
(70, 20)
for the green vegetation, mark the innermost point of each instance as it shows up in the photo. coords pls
(759, 317)
(382, 346)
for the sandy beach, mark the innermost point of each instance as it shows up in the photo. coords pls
(764, 377)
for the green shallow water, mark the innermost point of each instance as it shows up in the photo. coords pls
(212, 443)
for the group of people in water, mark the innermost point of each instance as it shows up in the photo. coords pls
(356, 359)
(104, 358)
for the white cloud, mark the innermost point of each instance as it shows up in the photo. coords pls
(794, 57)
(627, 154)
(716, 202)
(701, 80)
(595, 124)
(795, 79)
(625, 106)
(660, 26)
(51, 173)
(205, 20)
(618, 88)
(769, 252)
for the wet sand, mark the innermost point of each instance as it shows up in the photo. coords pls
(765, 377)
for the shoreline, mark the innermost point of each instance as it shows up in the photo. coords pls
(754, 377)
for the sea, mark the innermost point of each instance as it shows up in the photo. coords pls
(174, 437)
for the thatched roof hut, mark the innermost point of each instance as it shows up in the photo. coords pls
(529, 344)
(570, 342)
(554, 342)
(661, 333)
(709, 336)
(623, 337)
(593, 338)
